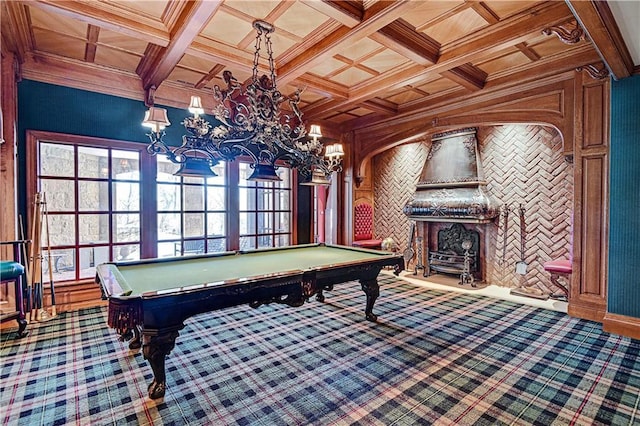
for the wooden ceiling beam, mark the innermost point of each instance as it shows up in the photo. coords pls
(519, 79)
(485, 11)
(402, 38)
(407, 74)
(596, 19)
(54, 69)
(377, 16)
(323, 87)
(527, 51)
(221, 53)
(92, 38)
(348, 13)
(320, 109)
(108, 17)
(381, 106)
(503, 35)
(467, 76)
(217, 69)
(481, 44)
(156, 67)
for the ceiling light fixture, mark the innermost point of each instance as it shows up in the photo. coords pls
(250, 123)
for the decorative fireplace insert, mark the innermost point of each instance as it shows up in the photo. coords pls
(458, 251)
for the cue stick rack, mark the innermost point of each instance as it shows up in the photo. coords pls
(34, 292)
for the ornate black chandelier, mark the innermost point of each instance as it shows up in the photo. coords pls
(251, 124)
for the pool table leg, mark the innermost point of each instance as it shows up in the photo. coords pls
(320, 295)
(156, 345)
(372, 289)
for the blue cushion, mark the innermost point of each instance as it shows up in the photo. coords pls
(10, 270)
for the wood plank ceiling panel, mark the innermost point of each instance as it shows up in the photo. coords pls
(354, 59)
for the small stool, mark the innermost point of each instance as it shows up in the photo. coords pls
(559, 268)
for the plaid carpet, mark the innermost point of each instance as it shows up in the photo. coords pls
(434, 357)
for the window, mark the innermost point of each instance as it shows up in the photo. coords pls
(192, 211)
(111, 201)
(265, 210)
(92, 196)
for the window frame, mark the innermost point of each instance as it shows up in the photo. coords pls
(148, 187)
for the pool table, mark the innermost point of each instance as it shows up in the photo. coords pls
(149, 300)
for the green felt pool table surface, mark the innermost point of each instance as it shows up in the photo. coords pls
(138, 278)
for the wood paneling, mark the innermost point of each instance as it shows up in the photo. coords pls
(588, 297)
(592, 241)
(8, 99)
(594, 123)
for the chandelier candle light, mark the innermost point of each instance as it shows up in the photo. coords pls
(251, 123)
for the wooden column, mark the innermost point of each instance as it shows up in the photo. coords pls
(8, 169)
(588, 293)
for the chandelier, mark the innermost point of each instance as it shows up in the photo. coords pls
(250, 123)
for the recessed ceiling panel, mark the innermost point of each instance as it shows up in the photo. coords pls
(310, 97)
(341, 118)
(196, 63)
(385, 60)
(428, 11)
(227, 28)
(150, 8)
(360, 111)
(456, 26)
(117, 59)
(550, 46)
(504, 9)
(330, 66)
(185, 75)
(258, 9)
(360, 49)
(438, 85)
(57, 44)
(280, 44)
(405, 96)
(505, 62)
(300, 20)
(352, 76)
(57, 23)
(121, 41)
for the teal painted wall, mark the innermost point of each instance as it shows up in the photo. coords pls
(47, 107)
(624, 199)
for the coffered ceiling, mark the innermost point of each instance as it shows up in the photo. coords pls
(358, 61)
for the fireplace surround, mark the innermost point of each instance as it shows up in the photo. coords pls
(452, 207)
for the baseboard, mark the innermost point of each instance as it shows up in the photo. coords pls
(588, 312)
(622, 325)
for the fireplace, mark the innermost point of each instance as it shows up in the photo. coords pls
(457, 251)
(452, 207)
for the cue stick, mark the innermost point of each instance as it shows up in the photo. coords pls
(51, 286)
(36, 270)
(32, 258)
(27, 289)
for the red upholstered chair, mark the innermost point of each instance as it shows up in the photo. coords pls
(363, 226)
